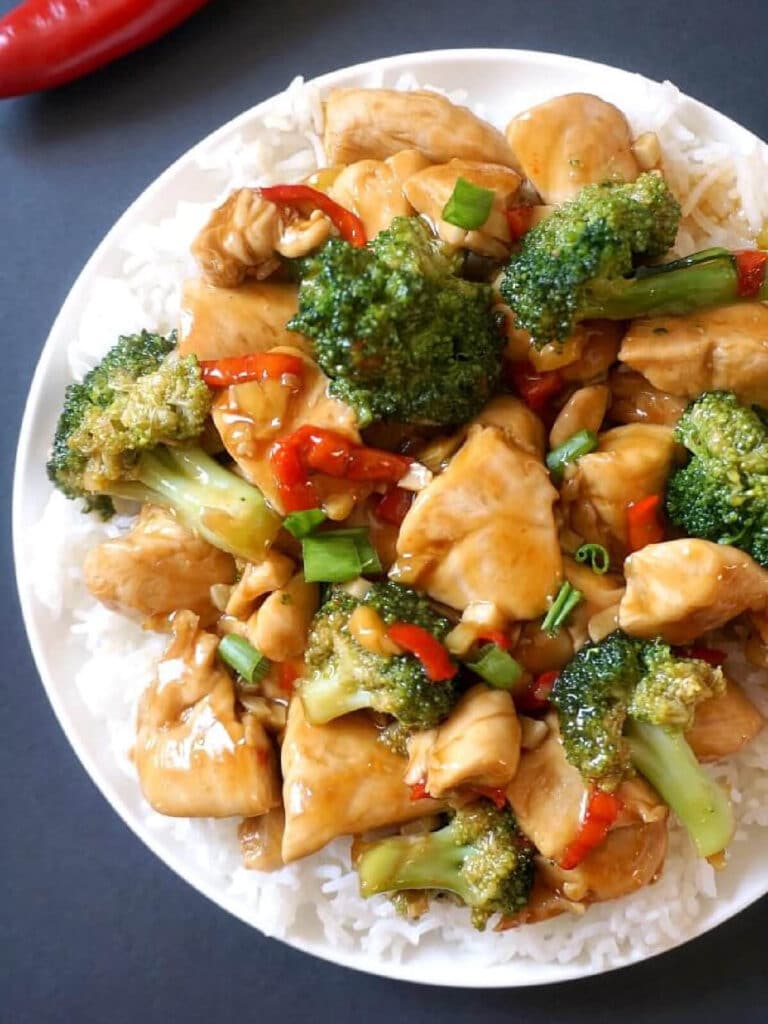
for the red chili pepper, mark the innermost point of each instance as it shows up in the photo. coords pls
(495, 794)
(45, 43)
(708, 654)
(536, 697)
(288, 674)
(519, 219)
(430, 652)
(494, 636)
(394, 506)
(535, 389)
(644, 525)
(221, 373)
(349, 226)
(751, 265)
(600, 812)
(419, 791)
(297, 492)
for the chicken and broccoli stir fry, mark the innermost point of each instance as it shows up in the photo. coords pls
(453, 488)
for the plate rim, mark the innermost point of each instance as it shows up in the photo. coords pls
(355, 959)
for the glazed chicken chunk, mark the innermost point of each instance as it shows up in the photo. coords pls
(484, 530)
(196, 755)
(373, 189)
(572, 141)
(724, 724)
(683, 588)
(377, 123)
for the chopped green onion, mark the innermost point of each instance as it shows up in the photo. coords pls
(566, 600)
(469, 205)
(581, 443)
(597, 556)
(250, 664)
(301, 524)
(339, 556)
(497, 667)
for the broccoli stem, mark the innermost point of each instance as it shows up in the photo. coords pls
(706, 280)
(430, 861)
(224, 509)
(331, 694)
(669, 764)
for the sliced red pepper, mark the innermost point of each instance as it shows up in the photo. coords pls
(394, 506)
(709, 654)
(536, 697)
(419, 791)
(375, 464)
(497, 795)
(600, 812)
(288, 674)
(519, 219)
(644, 524)
(349, 226)
(296, 490)
(536, 389)
(494, 636)
(221, 373)
(430, 652)
(751, 265)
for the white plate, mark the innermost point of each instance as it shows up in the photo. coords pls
(488, 76)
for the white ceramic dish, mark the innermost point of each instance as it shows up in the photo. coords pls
(487, 76)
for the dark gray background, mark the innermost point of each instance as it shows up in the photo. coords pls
(92, 926)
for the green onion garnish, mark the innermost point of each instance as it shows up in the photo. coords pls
(301, 524)
(469, 205)
(581, 443)
(566, 600)
(339, 556)
(597, 556)
(250, 664)
(497, 667)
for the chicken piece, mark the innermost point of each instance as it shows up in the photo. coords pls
(246, 235)
(635, 400)
(280, 626)
(629, 463)
(572, 141)
(548, 795)
(251, 417)
(583, 358)
(683, 588)
(430, 189)
(720, 349)
(340, 779)
(520, 424)
(584, 410)
(196, 757)
(218, 323)
(543, 904)
(377, 123)
(724, 724)
(258, 579)
(157, 567)
(373, 189)
(478, 745)
(484, 530)
(261, 841)
(600, 593)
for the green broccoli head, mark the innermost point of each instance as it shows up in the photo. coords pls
(140, 395)
(567, 261)
(401, 336)
(481, 856)
(671, 688)
(722, 493)
(344, 676)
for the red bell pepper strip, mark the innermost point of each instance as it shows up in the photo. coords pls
(288, 674)
(644, 525)
(45, 43)
(600, 812)
(536, 697)
(519, 219)
(494, 636)
(419, 791)
(709, 654)
(535, 389)
(430, 652)
(221, 373)
(349, 226)
(751, 265)
(394, 506)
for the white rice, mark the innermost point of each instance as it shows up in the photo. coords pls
(725, 202)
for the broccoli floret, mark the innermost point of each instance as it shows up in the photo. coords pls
(722, 493)
(344, 676)
(401, 336)
(125, 431)
(480, 855)
(625, 703)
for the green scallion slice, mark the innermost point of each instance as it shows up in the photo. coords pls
(581, 443)
(597, 556)
(250, 664)
(301, 524)
(469, 205)
(339, 556)
(566, 600)
(497, 667)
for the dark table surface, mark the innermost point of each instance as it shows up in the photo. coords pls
(92, 926)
